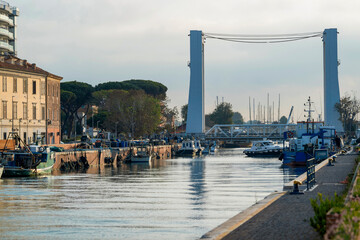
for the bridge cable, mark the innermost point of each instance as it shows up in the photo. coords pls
(274, 38)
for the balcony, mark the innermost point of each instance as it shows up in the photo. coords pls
(6, 46)
(7, 33)
(4, 18)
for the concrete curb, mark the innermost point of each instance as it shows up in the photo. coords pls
(230, 225)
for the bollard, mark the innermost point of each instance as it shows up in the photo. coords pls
(296, 188)
(330, 162)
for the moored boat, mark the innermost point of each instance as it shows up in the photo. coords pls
(310, 140)
(264, 148)
(198, 147)
(37, 161)
(187, 149)
(142, 154)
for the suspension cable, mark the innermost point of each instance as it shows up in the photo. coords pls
(273, 38)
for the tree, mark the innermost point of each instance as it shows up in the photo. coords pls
(152, 88)
(348, 108)
(283, 120)
(74, 95)
(222, 114)
(133, 111)
(237, 118)
(184, 110)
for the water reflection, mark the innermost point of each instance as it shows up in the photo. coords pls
(182, 198)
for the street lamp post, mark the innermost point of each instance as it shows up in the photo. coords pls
(116, 123)
(20, 119)
(12, 111)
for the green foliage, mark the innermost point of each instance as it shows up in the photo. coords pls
(222, 114)
(152, 88)
(283, 120)
(237, 118)
(321, 207)
(133, 112)
(350, 225)
(73, 96)
(99, 119)
(184, 111)
(348, 108)
(208, 121)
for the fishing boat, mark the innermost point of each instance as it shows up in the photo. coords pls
(1, 170)
(264, 148)
(142, 154)
(187, 149)
(33, 161)
(310, 140)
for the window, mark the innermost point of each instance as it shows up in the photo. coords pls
(4, 135)
(4, 108)
(42, 112)
(24, 139)
(43, 88)
(34, 111)
(34, 87)
(14, 85)
(25, 111)
(14, 110)
(4, 84)
(25, 85)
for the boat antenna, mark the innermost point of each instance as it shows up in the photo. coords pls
(308, 110)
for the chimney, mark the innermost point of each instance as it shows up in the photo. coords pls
(33, 66)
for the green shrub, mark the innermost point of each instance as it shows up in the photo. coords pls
(321, 207)
(349, 227)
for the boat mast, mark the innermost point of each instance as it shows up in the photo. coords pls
(309, 111)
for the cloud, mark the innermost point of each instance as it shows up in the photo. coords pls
(98, 41)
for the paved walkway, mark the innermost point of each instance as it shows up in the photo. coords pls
(289, 216)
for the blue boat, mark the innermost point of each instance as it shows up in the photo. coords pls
(310, 140)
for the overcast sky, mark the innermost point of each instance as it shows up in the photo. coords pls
(114, 40)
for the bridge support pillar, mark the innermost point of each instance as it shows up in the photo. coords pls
(195, 123)
(331, 81)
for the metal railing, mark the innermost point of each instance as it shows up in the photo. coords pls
(6, 46)
(310, 173)
(6, 33)
(248, 131)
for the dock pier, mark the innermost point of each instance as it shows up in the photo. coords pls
(285, 216)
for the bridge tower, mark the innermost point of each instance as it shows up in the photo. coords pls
(195, 123)
(196, 109)
(331, 81)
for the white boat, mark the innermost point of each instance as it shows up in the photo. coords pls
(198, 147)
(187, 149)
(142, 154)
(264, 148)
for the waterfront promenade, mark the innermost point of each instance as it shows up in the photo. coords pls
(288, 217)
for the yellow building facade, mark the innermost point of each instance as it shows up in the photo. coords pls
(27, 105)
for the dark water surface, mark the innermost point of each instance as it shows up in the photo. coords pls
(180, 198)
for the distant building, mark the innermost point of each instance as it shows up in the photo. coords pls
(8, 17)
(29, 101)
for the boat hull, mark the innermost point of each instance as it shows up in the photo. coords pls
(271, 153)
(136, 159)
(42, 169)
(295, 158)
(186, 153)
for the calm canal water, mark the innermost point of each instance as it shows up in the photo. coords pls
(180, 198)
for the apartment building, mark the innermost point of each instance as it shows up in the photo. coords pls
(29, 101)
(8, 16)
